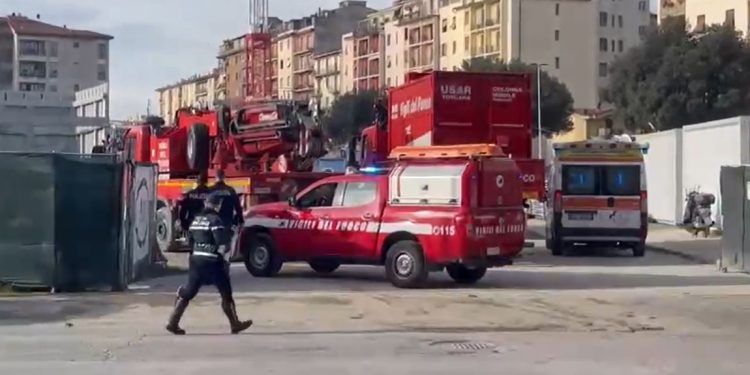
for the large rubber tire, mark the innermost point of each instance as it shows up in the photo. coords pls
(262, 259)
(405, 265)
(198, 147)
(324, 266)
(639, 250)
(464, 275)
(165, 233)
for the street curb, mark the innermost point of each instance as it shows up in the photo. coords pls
(686, 256)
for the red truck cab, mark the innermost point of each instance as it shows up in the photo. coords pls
(457, 208)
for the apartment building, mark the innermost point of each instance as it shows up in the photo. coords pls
(412, 40)
(369, 54)
(327, 78)
(300, 39)
(199, 90)
(232, 55)
(699, 14)
(347, 63)
(40, 57)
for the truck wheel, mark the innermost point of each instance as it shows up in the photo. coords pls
(198, 147)
(558, 249)
(639, 250)
(261, 257)
(405, 265)
(465, 275)
(324, 266)
(165, 235)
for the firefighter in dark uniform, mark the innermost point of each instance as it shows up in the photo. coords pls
(231, 210)
(208, 265)
(192, 202)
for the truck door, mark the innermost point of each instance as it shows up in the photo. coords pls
(357, 221)
(314, 228)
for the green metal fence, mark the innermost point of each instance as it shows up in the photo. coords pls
(61, 220)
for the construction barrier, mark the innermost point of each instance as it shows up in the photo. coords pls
(74, 222)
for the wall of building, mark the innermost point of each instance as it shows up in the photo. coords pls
(452, 50)
(694, 156)
(40, 122)
(664, 175)
(347, 63)
(69, 64)
(7, 53)
(327, 78)
(715, 12)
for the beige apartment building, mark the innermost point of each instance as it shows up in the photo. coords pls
(199, 91)
(699, 14)
(299, 40)
(574, 40)
(412, 40)
(232, 55)
(40, 57)
(327, 78)
(347, 63)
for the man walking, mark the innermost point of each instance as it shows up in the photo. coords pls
(231, 210)
(192, 202)
(208, 265)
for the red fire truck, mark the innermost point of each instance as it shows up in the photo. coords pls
(457, 208)
(449, 108)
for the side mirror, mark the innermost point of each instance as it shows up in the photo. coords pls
(292, 201)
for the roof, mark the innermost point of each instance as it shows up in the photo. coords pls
(28, 27)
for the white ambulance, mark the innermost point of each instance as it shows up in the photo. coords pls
(597, 196)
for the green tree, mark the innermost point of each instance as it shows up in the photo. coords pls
(675, 78)
(557, 102)
(349, 114)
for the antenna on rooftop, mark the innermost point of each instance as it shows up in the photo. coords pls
(258, 20)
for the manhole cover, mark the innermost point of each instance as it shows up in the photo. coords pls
(464, 346)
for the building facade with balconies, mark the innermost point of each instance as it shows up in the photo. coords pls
(40, 57)
(412, 40)
(300, 40)
(197, 91)
(327, 78)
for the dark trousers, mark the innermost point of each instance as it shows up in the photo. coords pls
(207, 271)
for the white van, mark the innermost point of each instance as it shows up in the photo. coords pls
(597, 196)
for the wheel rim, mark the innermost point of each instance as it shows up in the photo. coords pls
(260, 257)
(161, 231)
(404, 265)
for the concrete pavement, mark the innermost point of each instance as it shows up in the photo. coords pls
(593, 313)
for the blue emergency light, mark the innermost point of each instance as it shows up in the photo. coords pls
(373, 170)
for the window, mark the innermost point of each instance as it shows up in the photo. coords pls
(613, 20)
(466, 44)
(102, 51)
(557, 63)
(76, 44)
(603, 44)
(603, 19)
(445, 25)
(31, 47)
(32, 69)
(579, 180)
(620, 21)
(621, 180)
(321, 196)
(53, 47)
(603, 69)
(729, 18)
(557, 35)
(28, 86)
(443, 49)
(52, 88)
(613, 45)
(454, 47)
(388, 40)
(620, 45)
(557, 9)
(53, 70)
(700, 26)
(359, 193)
(101, 72)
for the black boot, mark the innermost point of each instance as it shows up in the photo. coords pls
(174, 319)
(231, 313)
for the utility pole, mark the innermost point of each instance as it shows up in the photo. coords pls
(539, 108)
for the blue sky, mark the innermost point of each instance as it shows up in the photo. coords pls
(159, 41)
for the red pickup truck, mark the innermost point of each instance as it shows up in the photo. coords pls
(457, 208)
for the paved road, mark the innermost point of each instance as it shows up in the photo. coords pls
(604, 312)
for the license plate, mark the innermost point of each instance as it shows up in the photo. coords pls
(493, 251)
(581, 216)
